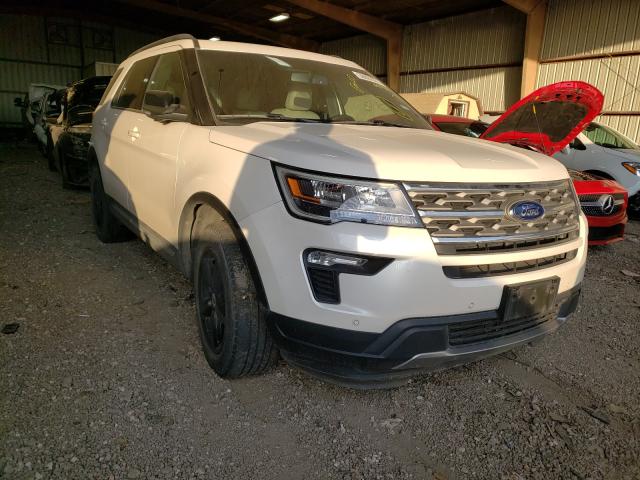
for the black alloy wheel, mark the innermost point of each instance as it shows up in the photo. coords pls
(211, 302)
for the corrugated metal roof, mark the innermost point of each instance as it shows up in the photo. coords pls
(496, 88)
(579, 27)
(9, 113)
(482, 38)
(17, 77)
(127, 41)
(594, 27)
(489, 37)
(365, 50)
(22, 37)
(618, 78)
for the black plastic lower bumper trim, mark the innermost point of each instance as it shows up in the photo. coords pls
(366, 359)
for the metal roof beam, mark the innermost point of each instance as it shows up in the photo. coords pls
(390, 31)
(282, 39)
(536, 11)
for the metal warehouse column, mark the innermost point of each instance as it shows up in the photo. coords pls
(536, 11)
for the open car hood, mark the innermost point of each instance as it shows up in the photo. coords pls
(548, 119)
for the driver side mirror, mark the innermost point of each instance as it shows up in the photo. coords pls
(161, 105)
(577, 145)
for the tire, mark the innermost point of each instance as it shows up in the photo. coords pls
(108, 228)
(64, 171)
(51, 161)
(231, 319)
(633, 210)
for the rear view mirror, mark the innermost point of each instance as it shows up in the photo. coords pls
(18, 102)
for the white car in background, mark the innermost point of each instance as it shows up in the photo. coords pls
(607, 153)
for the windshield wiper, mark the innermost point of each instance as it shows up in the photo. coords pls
(382, 123)
(277, 117)
(284, 118)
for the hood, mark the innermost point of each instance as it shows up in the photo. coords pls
(586, 183)
(387, 152)
(548, 119)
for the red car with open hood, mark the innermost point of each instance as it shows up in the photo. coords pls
(546, 121)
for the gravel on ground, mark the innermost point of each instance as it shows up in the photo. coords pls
(104, 377)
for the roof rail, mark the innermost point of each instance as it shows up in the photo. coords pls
(172, 38)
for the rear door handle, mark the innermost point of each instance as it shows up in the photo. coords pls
(134, 133)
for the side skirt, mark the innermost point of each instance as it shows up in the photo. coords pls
(149, 236)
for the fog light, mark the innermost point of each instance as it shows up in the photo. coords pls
(324, 269)
(329, 259)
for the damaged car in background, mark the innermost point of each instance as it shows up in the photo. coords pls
(71, 133)
(47, 115)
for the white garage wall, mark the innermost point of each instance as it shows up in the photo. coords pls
(609, 31)
(27, 57)
(479, 53)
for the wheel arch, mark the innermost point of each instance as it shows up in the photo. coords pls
(92, 157)
(185, 230)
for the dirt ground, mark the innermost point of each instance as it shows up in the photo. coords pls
(104, 378)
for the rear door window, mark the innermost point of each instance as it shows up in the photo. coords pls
(134, 85)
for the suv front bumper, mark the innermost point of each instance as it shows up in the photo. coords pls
(365, 360)
(397, 320)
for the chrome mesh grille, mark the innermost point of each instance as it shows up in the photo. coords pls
(600, 205)
(465, 218)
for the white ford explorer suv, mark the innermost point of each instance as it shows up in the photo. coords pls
(318, 215)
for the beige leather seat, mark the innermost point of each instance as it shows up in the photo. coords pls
(297, 105)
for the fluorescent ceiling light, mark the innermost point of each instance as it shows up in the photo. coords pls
(281, 17)
(279, 61)
(215, 39)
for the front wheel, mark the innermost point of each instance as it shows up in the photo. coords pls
(634, 207)
(63, 167)
(51, 159)
(231, 320)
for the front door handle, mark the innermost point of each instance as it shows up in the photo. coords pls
(134, 133)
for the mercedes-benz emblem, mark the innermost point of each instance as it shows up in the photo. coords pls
(607, 204)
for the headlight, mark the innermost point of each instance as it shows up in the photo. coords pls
(333, 199)
(633, 167)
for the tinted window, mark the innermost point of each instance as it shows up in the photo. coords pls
(134, 84)
(167, 80)
(607, 138)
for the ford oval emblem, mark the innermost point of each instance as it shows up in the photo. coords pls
(526, 210)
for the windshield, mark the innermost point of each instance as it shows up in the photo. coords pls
(248, 87)
(473, 129)
(608, 138)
